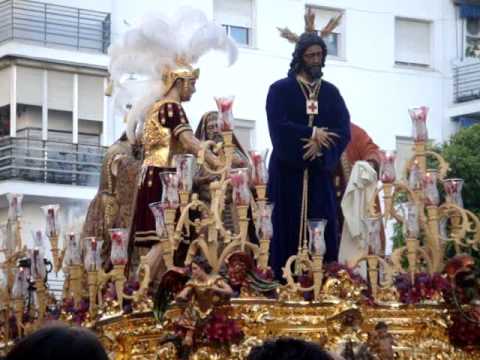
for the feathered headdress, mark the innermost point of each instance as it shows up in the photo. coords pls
(310, 27)
(148, 58)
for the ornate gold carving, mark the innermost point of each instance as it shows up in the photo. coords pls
(419, 332)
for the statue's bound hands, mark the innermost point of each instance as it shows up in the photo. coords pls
(312, 149)
(323, 137)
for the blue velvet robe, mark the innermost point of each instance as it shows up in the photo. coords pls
(288, 124)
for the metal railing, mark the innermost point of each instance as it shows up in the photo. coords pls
(56, 25)
(56, 162)
(466, 82)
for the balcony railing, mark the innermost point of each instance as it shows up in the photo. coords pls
(55, 25)
(466, 82)
(30, 159)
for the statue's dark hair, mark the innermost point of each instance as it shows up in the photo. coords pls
(304, 42)
(201, 261)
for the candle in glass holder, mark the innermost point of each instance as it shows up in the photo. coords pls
(119, 253)
(3, 286)
(92, 259)
(387, 168)
(225, 114)
(415, 176)
(419, 123)
(264, 221)
(412, 225)
(260, 173)
(20, 284)
(316, 230)
(38, 270)
(185, 165)
(51, 219)
(37, 265)
(169, 181)
(14, 206)
(4, 243)
(429, 181)
(373, 226)
(239, 180)
(158, 210)
(453, 189)
(73, 253)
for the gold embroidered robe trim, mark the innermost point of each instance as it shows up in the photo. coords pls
(160, 141)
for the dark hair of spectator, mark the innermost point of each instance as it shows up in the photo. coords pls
(58, 343)
(288, 349)
(381, 326)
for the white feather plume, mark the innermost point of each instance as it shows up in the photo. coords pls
(139, 57)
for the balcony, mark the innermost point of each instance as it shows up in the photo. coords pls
(466, 82)
(28, 158)
(54, 25)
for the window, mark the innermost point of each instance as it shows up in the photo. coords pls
(244, 132)
(238, 33)
(335, 40)
(236, 16)
(472, 37)
(5, 120)
(466, 122)
(413, 42)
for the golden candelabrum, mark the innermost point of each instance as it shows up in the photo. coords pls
(213, 239)
(19, 278)
(427, 224)
(338, 311)
(23, 274)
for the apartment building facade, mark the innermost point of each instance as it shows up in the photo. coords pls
(386, 56)
(52, 105)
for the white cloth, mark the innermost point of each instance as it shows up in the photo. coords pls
(360, 189)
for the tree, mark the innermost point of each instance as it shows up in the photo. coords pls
(462, 152)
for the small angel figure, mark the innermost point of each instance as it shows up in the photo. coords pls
(201, 322)
(381, 342)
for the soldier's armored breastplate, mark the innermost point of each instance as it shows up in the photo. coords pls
(157, 142)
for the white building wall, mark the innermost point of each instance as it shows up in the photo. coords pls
(377, 92)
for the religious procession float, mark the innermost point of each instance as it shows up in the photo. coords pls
(205, 290)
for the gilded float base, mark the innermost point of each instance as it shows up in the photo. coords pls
(420, 331)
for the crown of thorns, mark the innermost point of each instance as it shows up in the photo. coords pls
(310, 27)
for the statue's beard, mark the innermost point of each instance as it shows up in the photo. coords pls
(313, 71)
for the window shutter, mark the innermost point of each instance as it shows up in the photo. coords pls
(233, 12)
(5, 88)
(60, 91)
(29, 86)
(90, 97)
(412, 41)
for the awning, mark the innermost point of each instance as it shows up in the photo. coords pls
(470, 11)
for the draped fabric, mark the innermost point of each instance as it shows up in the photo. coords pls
(203, 179)
(360, 148)
(360, 189)
(112, 205)
(288, 125)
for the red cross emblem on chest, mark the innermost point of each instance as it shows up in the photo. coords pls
(312, 107)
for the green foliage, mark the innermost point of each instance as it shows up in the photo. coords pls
(398, 238)
(462, 152)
